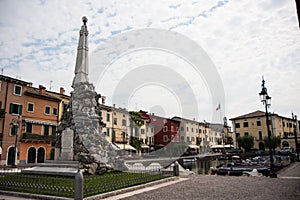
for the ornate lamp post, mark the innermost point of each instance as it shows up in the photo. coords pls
(266, 99)
(14, 125)
(295, 134)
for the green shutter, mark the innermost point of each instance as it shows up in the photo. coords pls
(20, 109)
(11, 107)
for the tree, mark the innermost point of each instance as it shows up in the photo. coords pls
(246, 142)
(136, 143)
(275, 141)
(136, 117)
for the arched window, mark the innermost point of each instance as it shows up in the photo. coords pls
(41, 155)
(31, 155)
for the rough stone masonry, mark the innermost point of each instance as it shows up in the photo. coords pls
(91, 148)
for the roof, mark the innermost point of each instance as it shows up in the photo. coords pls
(254, 114)
(14, 80)
(35, 92)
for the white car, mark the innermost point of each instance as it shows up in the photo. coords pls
(285, 150)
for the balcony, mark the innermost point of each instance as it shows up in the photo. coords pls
(27, 137)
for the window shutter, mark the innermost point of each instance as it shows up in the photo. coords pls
(20, 109)
(11, 107)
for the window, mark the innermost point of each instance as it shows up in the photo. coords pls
(115, 121)
(107, 117)
(107, 132)
(152, 130)
(237, 135)
(258, 123)
(166, 138)
(246, 133)
(245, 124)
(14, 130)
(181, 129)
(28, 127)
(54, 111)
(187, 129)
(260, 135)
(165, 129)
(47, 110)
(54, 130)
(192, 130)
(123, 122)
(283, 124)
(15, 109)
(46, 130)
(142, 131)
(193, 139)
(30, 107)
(18, 90)
(182, 138)
(188, 138)
(237, 125)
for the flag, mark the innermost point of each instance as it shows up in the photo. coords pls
(219, 107)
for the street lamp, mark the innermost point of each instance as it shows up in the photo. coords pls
(266, 99)
(14, 125)
(295, 134)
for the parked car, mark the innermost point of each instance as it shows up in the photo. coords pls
(235, 151)
(256, 151)
(286, 150)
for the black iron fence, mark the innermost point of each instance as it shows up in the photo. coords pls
(11, 179)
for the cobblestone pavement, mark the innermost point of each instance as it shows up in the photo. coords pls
(286, 187)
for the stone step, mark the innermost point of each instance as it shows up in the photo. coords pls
(54, 167)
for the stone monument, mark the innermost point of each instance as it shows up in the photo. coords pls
(90, 148)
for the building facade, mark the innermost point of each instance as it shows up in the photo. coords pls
(254, 124)
(28, 125)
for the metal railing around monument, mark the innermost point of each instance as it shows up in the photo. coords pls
(12, 180)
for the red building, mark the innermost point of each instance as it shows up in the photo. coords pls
(165, 130)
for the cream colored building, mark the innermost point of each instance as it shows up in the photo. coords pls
(254, 124)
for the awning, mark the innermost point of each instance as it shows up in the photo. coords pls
(40, 122)
(125, 147)
(228, 146)
(144, 146)
(192, 146)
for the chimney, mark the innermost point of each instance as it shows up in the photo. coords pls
(103, 100)
(114, 105)
(61, 90)
(30, 84)
(42, 89)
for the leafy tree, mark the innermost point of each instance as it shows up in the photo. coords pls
(246, 142)
(136, 117)
(136, 143)
(275, 141)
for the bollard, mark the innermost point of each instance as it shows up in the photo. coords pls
(78, 186)
(176, 169)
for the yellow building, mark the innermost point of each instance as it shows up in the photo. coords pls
(254, 124)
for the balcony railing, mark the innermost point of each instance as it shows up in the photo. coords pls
(37, 137)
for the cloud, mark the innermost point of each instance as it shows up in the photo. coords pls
(245, 40)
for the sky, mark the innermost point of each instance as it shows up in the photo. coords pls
(171, 57)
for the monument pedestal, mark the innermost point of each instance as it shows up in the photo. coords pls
(67, 138)
(54, 167)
